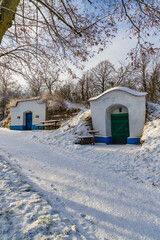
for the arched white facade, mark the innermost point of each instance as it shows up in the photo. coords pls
(127, 101)
(113, 109)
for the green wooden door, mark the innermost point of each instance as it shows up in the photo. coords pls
(120, 128)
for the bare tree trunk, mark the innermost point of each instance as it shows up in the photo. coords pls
(7, 11)
(144, 77)
(50, 89)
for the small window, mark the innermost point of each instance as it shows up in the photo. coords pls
(18, 117)
(120, 109)
(37, 116)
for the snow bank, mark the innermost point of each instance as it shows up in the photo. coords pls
(77, 125)
(148, 157)
(68, 133)
(151, 132)
(71, 105)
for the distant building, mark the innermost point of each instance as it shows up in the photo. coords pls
(26, 114)
(119, 115)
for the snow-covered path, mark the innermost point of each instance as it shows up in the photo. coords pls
(103, 203)
(25, 214)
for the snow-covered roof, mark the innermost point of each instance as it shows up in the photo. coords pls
(26, 100)
(124, 89)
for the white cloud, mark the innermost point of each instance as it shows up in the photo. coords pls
(115, 52)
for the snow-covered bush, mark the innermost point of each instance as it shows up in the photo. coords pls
(56, 105)
(153, 111)
(7, 121)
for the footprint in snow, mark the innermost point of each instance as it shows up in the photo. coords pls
(9, 155)
(83, 215)
(59, 200)
(52, 186)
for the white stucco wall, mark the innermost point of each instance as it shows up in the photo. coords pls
(117, 110)
(106, 104)
(37, 109)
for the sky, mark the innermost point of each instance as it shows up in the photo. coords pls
(115, 52)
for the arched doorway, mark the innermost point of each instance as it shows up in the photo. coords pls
(119, 125)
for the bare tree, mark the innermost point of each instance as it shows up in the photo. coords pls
(142, 66)
(154, 81)
(55, 28)
(8, 89)
(50, 76)
(85, 86)
(128, 76)
(35, 84)
(71, 28)
(123, 73)
(32, 74)
(147, 75)
(143, 75)
(103, 76)
(41, 76)
(67, 90)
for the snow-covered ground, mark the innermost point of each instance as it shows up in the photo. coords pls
(25, 214)
(101, 192)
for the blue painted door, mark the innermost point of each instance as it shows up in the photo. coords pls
(28, 121)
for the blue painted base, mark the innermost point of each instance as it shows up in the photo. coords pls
(34, 127)
(108, 140)
(102, 139)
(22, 128)
(133, 141)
